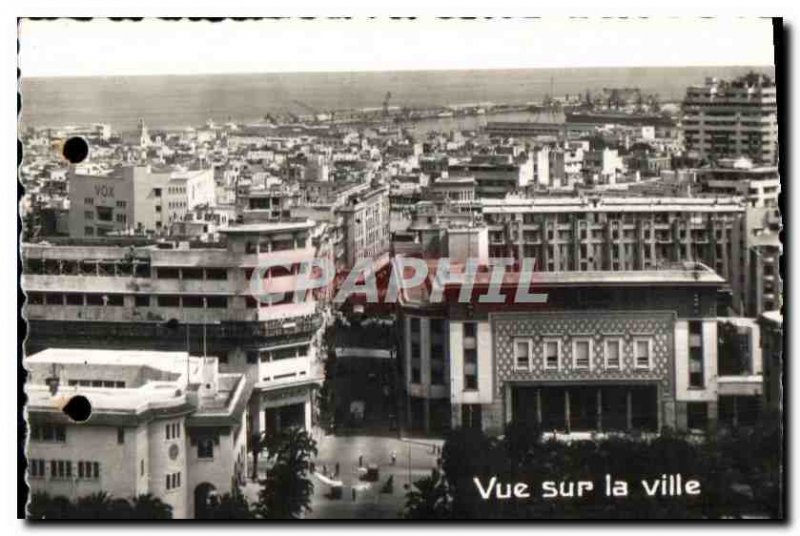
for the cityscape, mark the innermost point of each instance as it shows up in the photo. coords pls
(645, 228)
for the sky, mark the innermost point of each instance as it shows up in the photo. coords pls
(153, 47)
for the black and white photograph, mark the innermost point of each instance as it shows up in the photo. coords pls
(453, 269)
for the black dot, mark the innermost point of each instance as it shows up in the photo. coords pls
(78, 408)
(76, 150)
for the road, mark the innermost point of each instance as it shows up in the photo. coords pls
(414, 457)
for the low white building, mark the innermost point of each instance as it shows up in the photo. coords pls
(162, 423)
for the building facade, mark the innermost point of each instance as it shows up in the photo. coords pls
(602, 352)
(135, 199)
(161, 423)
(731, 119)
(197, 299)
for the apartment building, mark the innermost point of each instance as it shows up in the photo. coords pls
(760, 186)
(190, 297)
(601, 352)
(496, 175)
(365, 226)
(584, 233)
(731, 119)
(161, 423)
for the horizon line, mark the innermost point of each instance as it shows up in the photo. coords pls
(377, 71)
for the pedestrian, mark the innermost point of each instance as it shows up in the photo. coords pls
(337, 469)
(354, 494)
(394, 458)
(324, 470)
(360, 462)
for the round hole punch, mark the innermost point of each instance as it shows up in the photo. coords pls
(78, 409)
(75, 150)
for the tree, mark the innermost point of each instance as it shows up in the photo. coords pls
(286, 492)
(94, 506)
(256, 446)
(232, 505)
(429, 499)
(148, 507)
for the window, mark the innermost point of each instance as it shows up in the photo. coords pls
(252, 357)
(552, 351)
(74, 299)
(157, 192)
(121, 204)
(105, 213)
(88, 214)
(641, 356)
(469, 329)
(470, 382)
(120, 436)
(205, 448)
(88, 201)
(173, 430)
(696, 372)
(415, 374)
(437, 377)
(36, 468)
(581, 354)
(613, 353)
(141, 467)
(168, 301)
(88, 230)
(48, 432)
(471, 356)
(121, 218)
(173, 481)
(522, 354)
(89, 470)
(696, 415)
(60, 469)
(142, 301)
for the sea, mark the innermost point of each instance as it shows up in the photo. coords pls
(178, 101)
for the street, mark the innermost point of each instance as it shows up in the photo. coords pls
(414, 457)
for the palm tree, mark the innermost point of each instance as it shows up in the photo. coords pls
(120, 509)
(232, 505)
(429, 500)
(286, 492)
(94, 506)
(148, 507)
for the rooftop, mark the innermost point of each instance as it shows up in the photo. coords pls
(177, 389)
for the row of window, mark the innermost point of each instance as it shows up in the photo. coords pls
(265, 356)
(118, 300)
(60, 469)
(582, 352)
(173, 480)
(173, 430)
(108, 384)
(56, 433)
(90, 201)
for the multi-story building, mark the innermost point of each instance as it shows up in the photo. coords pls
(135, 199)
(496, 176)
(730, 119)
(759, 185)
(600, 352)
(193, 297)
(365, 226)
(160, 423)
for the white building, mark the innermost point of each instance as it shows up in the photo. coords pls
(161, 423)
